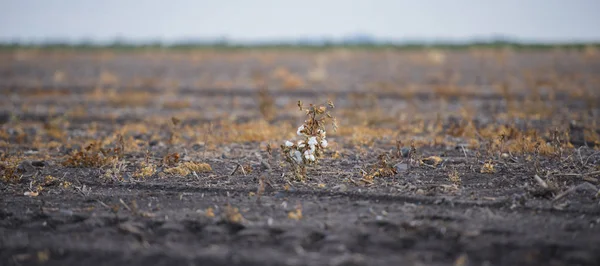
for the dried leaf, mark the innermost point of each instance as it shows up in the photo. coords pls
(296, 214)
(432, 160)
(209, 212)
(233, 214)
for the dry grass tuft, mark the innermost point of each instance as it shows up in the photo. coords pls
(232, 214)
(383, 168)
(454, 177)
(92, 155)
(8, 168)
(296, 214)
(488, 168)
(146, 170)
(209, 212)
(187, 168)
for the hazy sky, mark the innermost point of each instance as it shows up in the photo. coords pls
(542, 20)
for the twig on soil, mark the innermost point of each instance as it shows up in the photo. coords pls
(238, 166)
(513, 159)
(367, 181)
(85, 191)
(104, 204)
(540, 181)
(131, 228)
(353, 182)
(584, 185)
(593, 154)
(363, 172)
(235, 170)
(579, 153)
(430, 166)
(242, 167)
(125, 205)
(464, 151)
(593, 173)
(261, 188)
(584, 176)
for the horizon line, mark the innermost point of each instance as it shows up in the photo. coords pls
(315, 39)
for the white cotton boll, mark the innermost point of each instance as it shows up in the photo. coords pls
(298, 156)
(312, 141)
(324, 143)
(288, 143)
(307, 154)
(301, 144)
(299, 132)
(312, 148)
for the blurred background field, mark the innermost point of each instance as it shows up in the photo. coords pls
(145, 131)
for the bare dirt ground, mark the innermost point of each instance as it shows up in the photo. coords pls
(475, 157)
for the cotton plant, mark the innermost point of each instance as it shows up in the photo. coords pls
(307, 150)
(313, 139)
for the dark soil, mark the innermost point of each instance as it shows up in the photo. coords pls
(415, 217)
